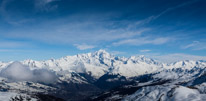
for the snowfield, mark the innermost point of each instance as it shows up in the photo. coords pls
(166, 93)
(8, 96)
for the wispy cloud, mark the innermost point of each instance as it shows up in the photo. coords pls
(84, 46)
(143, 40)
(145, 50)
(8, 16)
(10, 50)
(12, 44)
(44, 5)
(20, 18)
(75, 32)
(90, 31)
(154, 17)
(195, 45)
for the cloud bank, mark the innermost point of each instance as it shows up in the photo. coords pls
(19, 72)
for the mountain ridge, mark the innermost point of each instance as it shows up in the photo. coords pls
(91, 74)
(101, 62)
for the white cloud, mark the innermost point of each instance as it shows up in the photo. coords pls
(16, 71)
(195, 45)
(69, 29)
(8, 16)
(75, 32)
(145, 50)
(10, 50)
(84, 46)
(12, 44)
(143, 40)
(191, 45)
(153, 17)
(48, 1)
(43, 5)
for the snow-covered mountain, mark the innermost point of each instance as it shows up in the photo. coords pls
(88, 74)
(98, 64)
(102, 62)
(175, 84)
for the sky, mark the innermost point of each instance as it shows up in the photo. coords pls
(168, 30)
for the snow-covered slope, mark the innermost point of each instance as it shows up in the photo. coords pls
(176, 84)
(181, 85)
(166, 93)
(186, 64)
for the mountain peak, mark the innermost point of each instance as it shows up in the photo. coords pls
(101, 51)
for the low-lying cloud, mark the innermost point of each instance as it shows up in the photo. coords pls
(19, 72)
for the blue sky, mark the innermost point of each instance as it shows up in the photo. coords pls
(44, 29)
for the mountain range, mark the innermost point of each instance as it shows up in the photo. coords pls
(101, 76)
